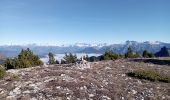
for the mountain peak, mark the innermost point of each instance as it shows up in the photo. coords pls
(90, 45)
(131, 42)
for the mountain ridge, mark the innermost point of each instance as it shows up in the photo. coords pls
(83, 44)
(13, 50)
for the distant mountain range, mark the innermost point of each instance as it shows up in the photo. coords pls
(13, 50)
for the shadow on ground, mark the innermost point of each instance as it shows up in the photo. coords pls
(153, 61)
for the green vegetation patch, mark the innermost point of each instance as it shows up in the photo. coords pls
(2, 72)
(149, 75)
(24, 60)
(131, 54)
(69, 58)
(147, 54)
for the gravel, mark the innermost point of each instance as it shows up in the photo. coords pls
(104, 80)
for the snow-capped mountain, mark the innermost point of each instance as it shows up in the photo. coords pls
(82, 45)
(90, 45)
(13, 50)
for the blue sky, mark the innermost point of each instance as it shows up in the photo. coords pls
(88, 21)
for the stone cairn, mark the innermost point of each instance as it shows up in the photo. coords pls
(82, 64)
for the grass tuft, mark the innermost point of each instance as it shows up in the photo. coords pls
(2, 72)
(14, 77)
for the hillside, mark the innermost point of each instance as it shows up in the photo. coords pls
(105, 80)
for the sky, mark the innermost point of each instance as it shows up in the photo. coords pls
(56, 22)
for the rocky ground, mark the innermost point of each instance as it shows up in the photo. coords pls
(105, 80)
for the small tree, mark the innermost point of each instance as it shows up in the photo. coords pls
(57, 62)
(70, 58)
(25, 59)
(136, 55)
(151, 55)
(129, 53)
(110, 56)
(10, 63)
(63, 61)
(146, 54)
(51, 58)
(86, 57)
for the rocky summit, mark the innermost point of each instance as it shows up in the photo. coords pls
(104, 80)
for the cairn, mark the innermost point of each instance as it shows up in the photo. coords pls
(82, 64)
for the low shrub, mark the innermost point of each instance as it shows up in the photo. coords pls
(109, 55)
(2, 72)
(25, 59)
(149, 75)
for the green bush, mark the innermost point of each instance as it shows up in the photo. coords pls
(2, 72)
(147, 54)
(131, 54)
(109, 55)
(69, 58)
(25, 59)
(149, 75)
(51, 58)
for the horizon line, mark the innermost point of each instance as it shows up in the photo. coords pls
(72, 44)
